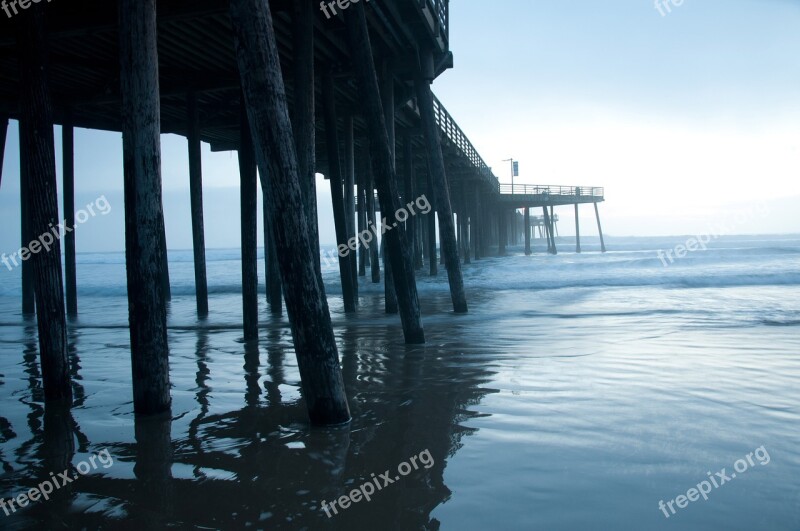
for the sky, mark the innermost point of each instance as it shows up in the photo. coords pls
(685, 119)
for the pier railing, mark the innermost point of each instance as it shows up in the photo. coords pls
(457, 137)
(439, 16)
(547, 190)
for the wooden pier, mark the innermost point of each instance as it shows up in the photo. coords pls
(295, 92)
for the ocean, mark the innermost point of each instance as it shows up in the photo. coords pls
(582, 391)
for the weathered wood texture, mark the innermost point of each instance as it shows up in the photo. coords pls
(384, 171)
(144, 214)
(274, 286)
(36, 112)
(28, 302)
(374, 259)
(430, 218)
(363, 250)
(265, 97)
(68, 175)
(441, 195)
(350, 197)
(335, 179)
(303, 123)
(196, 200)
(248, 176)
(387, 98)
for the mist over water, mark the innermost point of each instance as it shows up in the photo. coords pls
(578, 392)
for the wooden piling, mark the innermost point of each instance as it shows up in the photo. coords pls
(374, 259)
(141, 143)
(599, 229)
(547, 229)
(408, 184)
(430, 218)
(28, 299)
(577, 231)
(335, 179)
(502, 220)
(68, 176)
(350, 198)
(387, 98)
(37, 112)
(526, 225)
(196, 201)
(248, 191)
(363, 250)
(475, 224)
(303, 124)
(441, 193)
(265, 97)
(274, 287)
(165, 282)
(397, 244)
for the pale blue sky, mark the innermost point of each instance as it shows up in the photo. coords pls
(683, 118)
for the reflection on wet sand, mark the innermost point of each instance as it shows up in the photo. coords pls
(261, 465)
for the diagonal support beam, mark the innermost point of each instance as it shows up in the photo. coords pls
(268, 115)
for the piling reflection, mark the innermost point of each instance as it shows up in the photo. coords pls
(260, 464)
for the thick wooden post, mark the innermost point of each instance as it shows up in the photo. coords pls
(36, 112)
(144, 214)
(248, 175)
(374, 259)
(303, 125)
(387, 98)
(527, 229)
(546, 221)
(28, 301)
(475, 225)
(410, 192)
(384, 170)
(68, 176)
(196, 196)
(503, 229)
(350, 198)
(430, 218)
(165, 282)
(441, 194)
(274, 287)
(335, 179)
(265, 97)
(363, 250)
(599, 229)
(577, 231)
